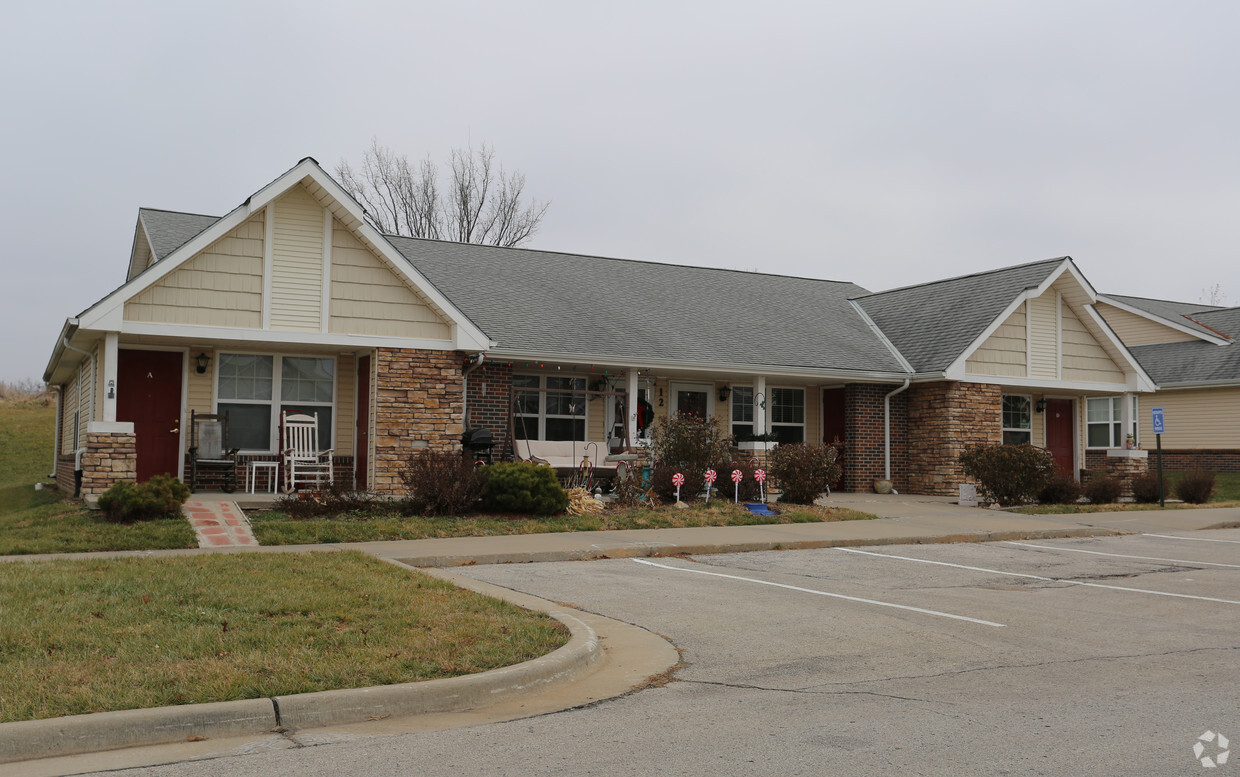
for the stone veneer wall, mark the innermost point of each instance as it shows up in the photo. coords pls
(864, 459)
(419, 397)
(944, 418)
(1122, 468)
(489, 390)
(109, 457)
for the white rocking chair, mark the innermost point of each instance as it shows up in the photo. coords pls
(304, 463)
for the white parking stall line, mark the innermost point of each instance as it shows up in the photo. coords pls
(819, 593)
(1039, 577)
(1123, 555)
(1190, 539)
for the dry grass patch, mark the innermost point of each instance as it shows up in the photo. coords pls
(88, 636)
(273, 528)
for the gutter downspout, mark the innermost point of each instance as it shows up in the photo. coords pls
(60, 417)
(887, 429)
(481, 357)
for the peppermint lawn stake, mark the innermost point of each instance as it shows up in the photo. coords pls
(760, 476)
(737, 477)
(678, 480)
(710, 479)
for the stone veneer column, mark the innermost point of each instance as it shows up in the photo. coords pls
(865, 443)
(489, 389)
(109, 457)
(419, 398)
(943, 419)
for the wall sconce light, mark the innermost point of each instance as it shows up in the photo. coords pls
(111, 389)
(724, 393)
(1040, 406)
(203, 360)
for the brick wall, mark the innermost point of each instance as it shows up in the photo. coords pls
(419, 398)
(1122, 468)
(1209, 460)
(865, 447)
(109, 457)
(944, 418)
(213, 480)
(489, 390)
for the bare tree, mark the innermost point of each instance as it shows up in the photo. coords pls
(1214, 295)
(481, 203)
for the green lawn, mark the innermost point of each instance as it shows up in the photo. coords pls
(1226, 494)
(275, 528)
(88, 636)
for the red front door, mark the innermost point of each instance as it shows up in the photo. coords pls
(361, 439)
(148, 393)
(833, 422)
(1059, 437)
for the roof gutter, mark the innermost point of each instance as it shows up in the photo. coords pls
(887, 429)
(67, 331)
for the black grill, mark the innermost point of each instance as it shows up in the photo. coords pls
(477, 443)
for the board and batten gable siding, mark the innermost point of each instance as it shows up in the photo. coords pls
(1137, 330)
(1004, 352)
(369, 299)
(220, 286)
(1195, 418)
(297, 262)
(1044, 335)
(1083, 358)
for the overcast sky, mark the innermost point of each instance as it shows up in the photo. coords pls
(885, 143)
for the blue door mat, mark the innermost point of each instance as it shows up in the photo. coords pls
(757, 508)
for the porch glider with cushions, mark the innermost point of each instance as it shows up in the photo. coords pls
(304, 463)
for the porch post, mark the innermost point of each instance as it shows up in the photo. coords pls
(1126, 420)
(631, 404)
(761, 403)
(111, 341)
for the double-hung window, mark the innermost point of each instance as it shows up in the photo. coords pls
(742, 412)
(1017, 419)
(1104, 421)
(254, 388)
(788, 414)
(556, 414)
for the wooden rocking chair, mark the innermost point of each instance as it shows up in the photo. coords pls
(304, 463)
(209, 451)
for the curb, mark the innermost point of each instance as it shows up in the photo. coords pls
(75, 734)
(658, 550)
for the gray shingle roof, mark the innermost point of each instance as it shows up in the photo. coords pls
(169, 230)
(933, 323)
(588, 306)
(1225, 321)
(1183, 313)
(1196, 361)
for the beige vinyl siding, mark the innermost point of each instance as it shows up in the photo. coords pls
(813, 413)
(68, 406)
(369, 299)
(596, 420)
(199, 389)
(297, 262)
(220, 286)
(1083, 358)
(143, 257)
(346, 392)
(1044, 335)
(1038, 439)
(1003, 353)
(1138, 330)
(1197, 418)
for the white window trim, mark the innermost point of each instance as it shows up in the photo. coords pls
(276, 400)
(1004, 428)
(543, 415)
(770, 413)
(1134, 430)
(732, 405)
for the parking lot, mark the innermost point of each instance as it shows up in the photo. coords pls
(1093, 656)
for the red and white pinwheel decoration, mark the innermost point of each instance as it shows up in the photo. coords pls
(710, 479)
(678, 480)
(760, 476)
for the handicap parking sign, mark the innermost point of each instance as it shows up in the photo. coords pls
(1159, 426)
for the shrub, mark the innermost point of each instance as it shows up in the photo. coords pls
(1008, 474)
(803, 471)
(1195, 487)
(522, 487)
(689, 445)
(334, 502)
(440, 483)
(159, 497)
(1061, 489)
(1145, 488)
(1102, 489)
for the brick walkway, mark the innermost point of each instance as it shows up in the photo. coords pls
(218, 523)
